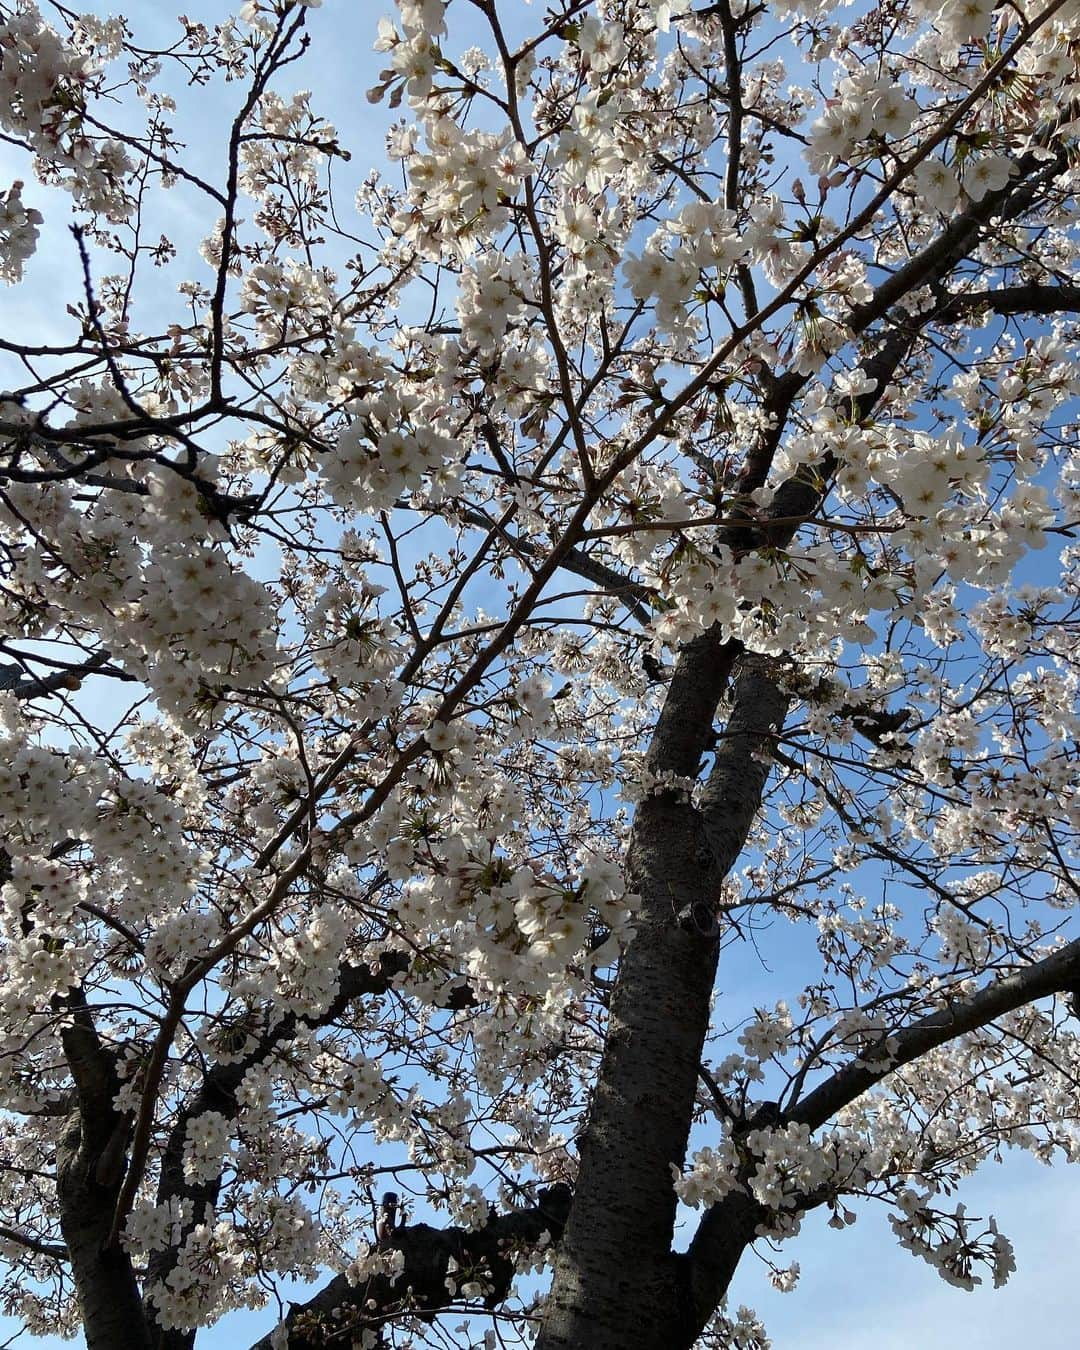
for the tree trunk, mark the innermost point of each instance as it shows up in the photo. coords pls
(108, 1293)
(617, 1282)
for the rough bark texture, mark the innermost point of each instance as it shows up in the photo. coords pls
(725, 1232)
(108, 1291)
(90, 1169)
(617, 1282)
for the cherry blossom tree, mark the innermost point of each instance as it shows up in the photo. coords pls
(453, 630)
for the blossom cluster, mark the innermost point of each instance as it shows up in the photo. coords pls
(18, 233)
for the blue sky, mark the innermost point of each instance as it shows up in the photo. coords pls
(858, 1289)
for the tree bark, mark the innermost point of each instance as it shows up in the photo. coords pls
(108, 1292)
(90, 1170)
(616, 1282)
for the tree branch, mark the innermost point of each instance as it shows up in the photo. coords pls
(728, 1226)
(217, 1092)
(1031, 298)
(56, 1250)
(338, 1313)
(1054, 974)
